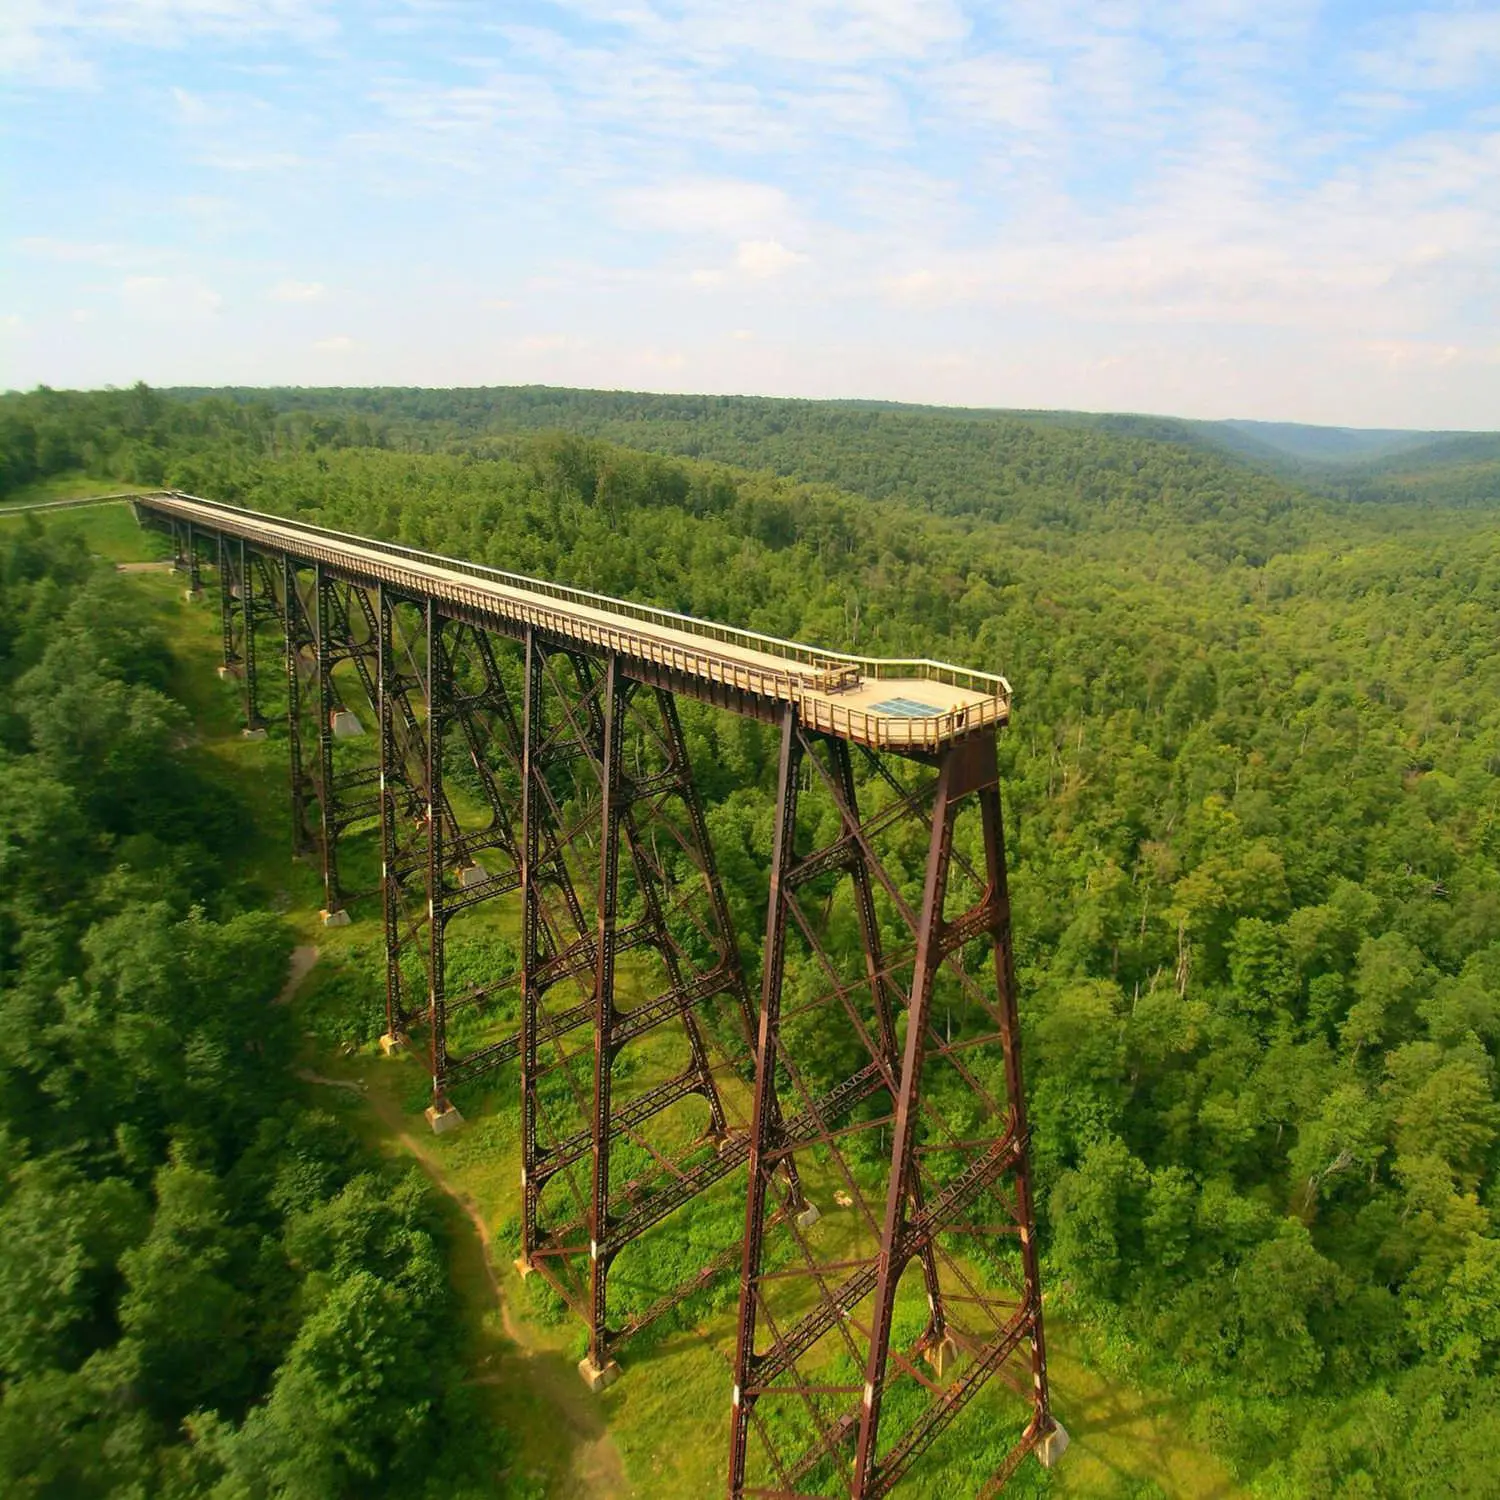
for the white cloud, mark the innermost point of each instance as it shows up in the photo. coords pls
(297, 291)
(79, 252)
(1433, 51)
(705, 205)
(504, 99)
(49, 42)
(922, 285)
(337, 343)
(261, 162)
(762, 259)
(169, 298)
(846, 32)
(754, 260)
(195, 111)
(996, 90)
(1403, 354)
(657, 360)
(29, 54)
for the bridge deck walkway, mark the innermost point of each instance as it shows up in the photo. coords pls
(886, 704)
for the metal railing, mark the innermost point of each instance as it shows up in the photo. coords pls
(7, 508)
(813, 690)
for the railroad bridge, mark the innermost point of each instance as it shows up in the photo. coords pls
(855, 1143)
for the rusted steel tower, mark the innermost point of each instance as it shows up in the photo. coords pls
(856, 1351)
(867, 1123)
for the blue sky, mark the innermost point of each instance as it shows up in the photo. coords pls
(1267, 208)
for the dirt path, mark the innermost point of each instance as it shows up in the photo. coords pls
(303, 959)
(597, 1469)
(308, 1076)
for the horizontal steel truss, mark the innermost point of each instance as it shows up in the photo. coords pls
(441, 680)
(817, 1354)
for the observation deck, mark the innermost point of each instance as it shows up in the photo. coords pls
(913, 706)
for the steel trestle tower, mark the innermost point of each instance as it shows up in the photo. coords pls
(517, 750)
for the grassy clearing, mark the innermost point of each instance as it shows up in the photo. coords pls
(1126, 1442)
(111, 529)
(661, 1431)
(74, 486)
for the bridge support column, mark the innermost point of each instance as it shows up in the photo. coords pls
(259, 600)
(611, 817)
(1052, 1445)
(392, 804)
(230, 595)
(187, 561)
(296, 636)
(806, 1306)
(533, 940)
(441, 689)
(611, 750)
(439, 696)
(246, 598)
(328, 706)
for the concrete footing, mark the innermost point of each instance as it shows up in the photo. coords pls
(471, 875)
(524, 1267)
(596, 1379)
(229, 670)
(1052, 1445)
(345, 725)
(192, 595)
(808, 1217)
(443, 1120)
(941, 1354)
(392, 1044)
(339, 918)
(253, 734)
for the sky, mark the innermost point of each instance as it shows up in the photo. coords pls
(1277, 209)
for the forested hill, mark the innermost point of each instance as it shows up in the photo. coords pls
(1252, 790)
(1453, 470)
(1064, 471)
(1299, 441)
(1068, 472)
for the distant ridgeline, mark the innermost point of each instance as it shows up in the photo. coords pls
(1060, 469)
(952, 458)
